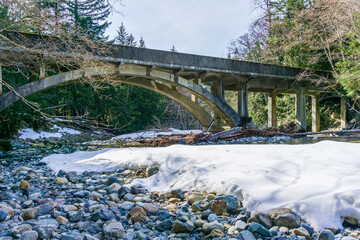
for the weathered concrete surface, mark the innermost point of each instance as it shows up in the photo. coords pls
(140, 78)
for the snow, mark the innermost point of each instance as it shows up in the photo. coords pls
(29, 133)
(319, 181)
(156, 133)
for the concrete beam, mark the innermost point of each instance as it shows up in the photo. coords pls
(272, 119)
(300, 109)
(343, 113)
(315, 115)
(242, 99)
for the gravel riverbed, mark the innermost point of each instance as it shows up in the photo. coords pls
(37, 203)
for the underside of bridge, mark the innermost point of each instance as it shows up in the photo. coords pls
(196, 82)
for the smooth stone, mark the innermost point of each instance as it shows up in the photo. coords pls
(285, 217)
(274, 230)
(61, 180)
(258, 228)
(193, 197)
(219, 207)
(114, 229)
(350, 222)
(123, 191)
(81, 194)
(29, 235)
(246, 235)
(182, 227)
(75, 216)
(208, 227)
(43, 210)
(137, 214)
(164, 225)
(112, 180)
(301, 232)
(48, 223)
(201, 205)
(308, 228)
(3, 215)
(126, 205)
(232, 201)
(129, 197)
(21, 229)
(24, 185)
(262, 218)
(212, 217)
(326, 235)
(61, 220)
(150, 208)
(29, 213)
(216, 233)
(240, 225)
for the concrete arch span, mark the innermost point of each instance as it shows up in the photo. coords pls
(142, 76)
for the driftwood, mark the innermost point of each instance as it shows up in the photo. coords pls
(234, 133)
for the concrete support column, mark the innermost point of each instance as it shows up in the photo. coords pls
(217, 88)
(315, 113)
(242, 100)
(42, 71)
(343, 113)
(193, 97)
(300, 107)
(1, 78)
(272, 119)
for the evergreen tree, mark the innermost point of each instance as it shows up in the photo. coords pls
(173, 49)
(88, 17)
(130, 41)
(142, 43)
(122, 35)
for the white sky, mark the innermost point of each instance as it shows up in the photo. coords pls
(202, 27)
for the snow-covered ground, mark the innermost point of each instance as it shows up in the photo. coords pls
(156, 133)
(320, 181)
(57, 132)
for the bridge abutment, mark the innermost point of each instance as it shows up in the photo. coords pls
(315, 114)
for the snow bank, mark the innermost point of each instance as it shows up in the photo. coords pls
(29, 133)
(320, 181)
(156, 133)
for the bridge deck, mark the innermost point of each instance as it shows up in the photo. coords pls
(258, 76)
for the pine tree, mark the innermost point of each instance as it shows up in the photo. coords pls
(142, 43)
(130, 41)
(89, 17)
(173, 49)
(122, 35)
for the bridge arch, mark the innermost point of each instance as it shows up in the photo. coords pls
(153, 79)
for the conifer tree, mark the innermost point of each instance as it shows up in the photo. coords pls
(142, 43)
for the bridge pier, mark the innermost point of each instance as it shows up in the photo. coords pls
(242, 100)
(1, 79)
(300, 110)
(315, 115)
(343, 113)
(217, 88)
(272, 119)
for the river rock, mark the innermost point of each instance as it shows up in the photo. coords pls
(29, 235)
(262, 218)
(61, 220)
(216, 233)
(164, 225)
(301, 232)
(61, 180)
(24, 185)
(232, 201)
(192, 197)
(3, 215)
(21, 229)
(208, 227)
(258, 228)
(201, 205)
(114, 229)
(219, 207)
(137, 214)
(326, 235)
(246, 235)
(285, 217)
(350, 222)
(29, 213)
(182, 225)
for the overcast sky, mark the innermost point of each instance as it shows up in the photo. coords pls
(202, 27)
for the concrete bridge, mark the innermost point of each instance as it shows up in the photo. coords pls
(190, 80)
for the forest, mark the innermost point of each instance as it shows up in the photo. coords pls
(311, 34)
